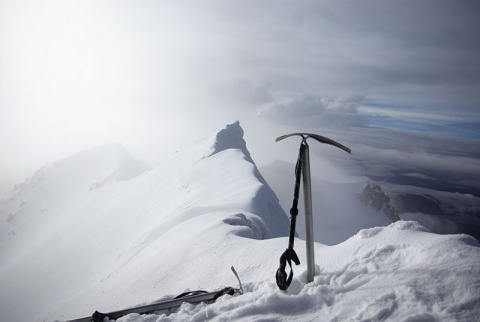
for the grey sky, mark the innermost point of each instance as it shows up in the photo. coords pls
(156, 74)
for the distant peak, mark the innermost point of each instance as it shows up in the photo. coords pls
(105, 163)
(231, 137)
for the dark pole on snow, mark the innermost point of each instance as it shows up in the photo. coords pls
(303, 165)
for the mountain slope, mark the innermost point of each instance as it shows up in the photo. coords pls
(96, 242)
(79, 233)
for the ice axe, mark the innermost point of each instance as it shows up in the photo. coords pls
(302, 169)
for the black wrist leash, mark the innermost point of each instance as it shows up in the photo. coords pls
(289, 255)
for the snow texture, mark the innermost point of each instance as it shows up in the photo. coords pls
(102, 231)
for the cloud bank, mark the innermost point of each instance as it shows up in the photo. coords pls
(156, 75)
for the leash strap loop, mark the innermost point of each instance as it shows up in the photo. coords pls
(283, 281)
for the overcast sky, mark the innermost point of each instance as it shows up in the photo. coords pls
(155, 75)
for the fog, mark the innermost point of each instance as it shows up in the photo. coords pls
(155, 75)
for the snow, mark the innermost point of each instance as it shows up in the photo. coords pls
(103, 231)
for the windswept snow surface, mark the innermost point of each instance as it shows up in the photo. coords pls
(396, 273)
(96, 232)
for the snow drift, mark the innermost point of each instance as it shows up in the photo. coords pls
(102, 231)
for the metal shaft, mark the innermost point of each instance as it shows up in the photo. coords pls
(307, 195)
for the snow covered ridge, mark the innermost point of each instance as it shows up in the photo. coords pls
(94, 166)
(89, 220)
(73, 243)
(60, 184)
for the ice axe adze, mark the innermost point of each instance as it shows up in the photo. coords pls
(302, 168)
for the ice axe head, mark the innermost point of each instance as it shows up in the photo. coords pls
(317, 137)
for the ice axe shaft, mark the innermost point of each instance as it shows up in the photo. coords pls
(303, 165)
(307, 198)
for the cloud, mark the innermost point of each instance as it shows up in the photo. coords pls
(397, 51)
(295, 110)
(156, 75)
(447, 164)
(240, 92)
(442, 226)
(313, 111)
(348, 104)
